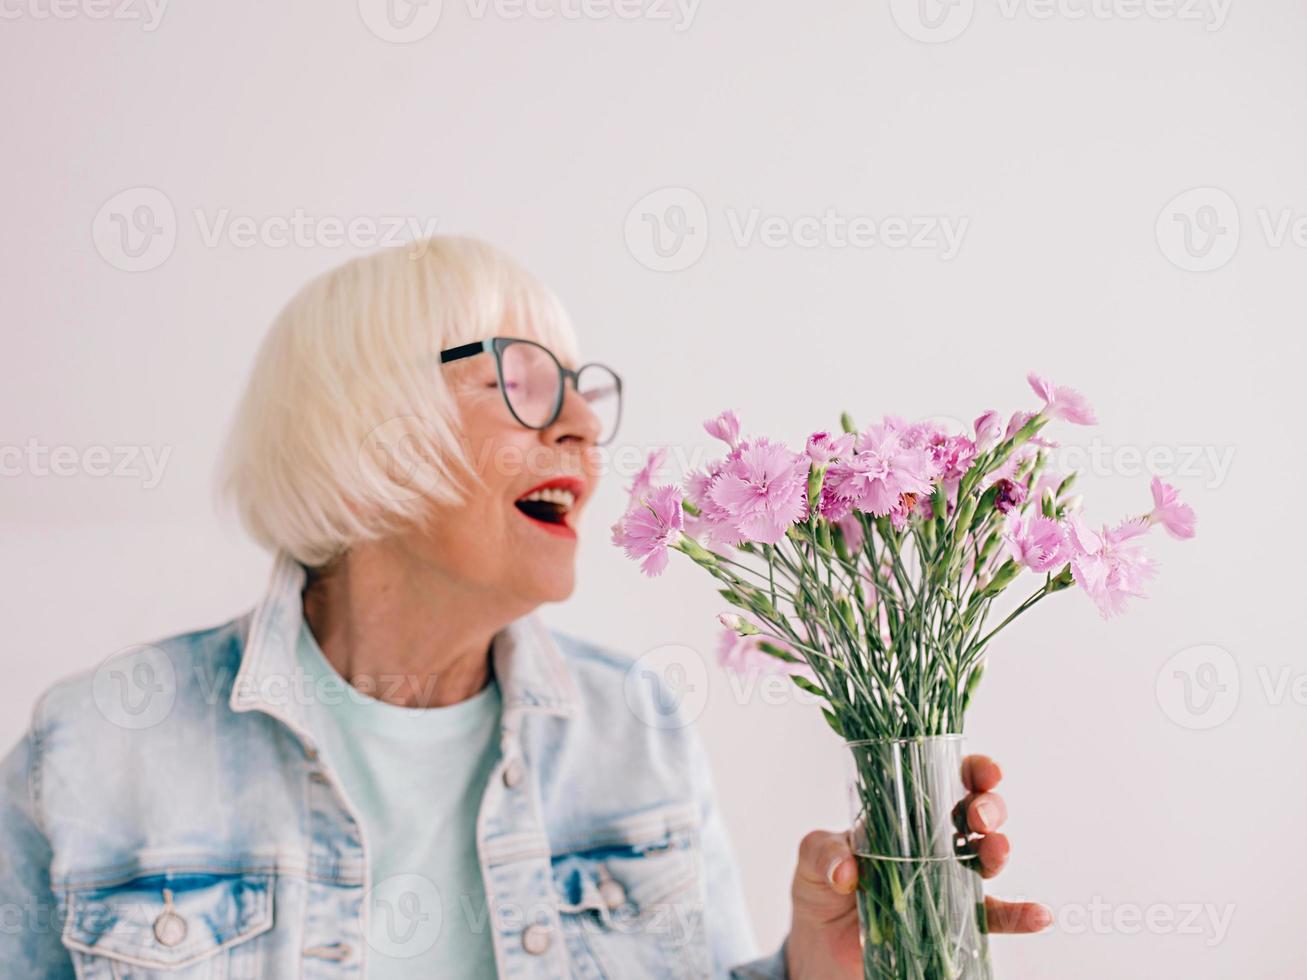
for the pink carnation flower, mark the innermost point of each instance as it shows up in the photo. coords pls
(988, 428)
(713, 524)
(950, 456)
(762, 490)
(1171, 512)
(1037, 542)
(822, 447)
(1061, 402)
(1010, 495)
(644, 479)
(725, 427)
(652, 525)
(1109, 566)
(881, 470)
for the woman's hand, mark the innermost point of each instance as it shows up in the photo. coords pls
(824, 930)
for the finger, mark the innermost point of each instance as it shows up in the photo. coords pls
(1013, 917)
(986, 813)
(992, 852)
(827, 873)
(980, 773)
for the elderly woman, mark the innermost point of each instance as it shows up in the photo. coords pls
(389, 767)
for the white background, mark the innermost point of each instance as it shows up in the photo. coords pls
(1057, 134)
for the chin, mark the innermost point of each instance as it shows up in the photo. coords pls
(553, 586)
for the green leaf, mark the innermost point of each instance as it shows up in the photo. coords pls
(804, 684)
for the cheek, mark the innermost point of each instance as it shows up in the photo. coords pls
(501, 460)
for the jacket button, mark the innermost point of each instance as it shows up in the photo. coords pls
(169, 929)
(535, 939)
(514, 773)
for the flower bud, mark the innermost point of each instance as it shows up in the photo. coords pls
(845, 609)
(973, 682)
(1002, 578)
(965, 512)
(1062, 580)
(738, 623)
(815, 476)
(1048, 503)
(696, 551)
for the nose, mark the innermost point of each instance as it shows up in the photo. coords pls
(577, 424)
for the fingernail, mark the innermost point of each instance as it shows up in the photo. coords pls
(987, 812)
(1043, 917)
(834, 866)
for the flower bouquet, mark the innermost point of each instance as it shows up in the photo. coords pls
(866, 568)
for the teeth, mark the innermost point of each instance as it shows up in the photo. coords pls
(554, 495)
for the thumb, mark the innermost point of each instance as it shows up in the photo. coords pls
(826, 876)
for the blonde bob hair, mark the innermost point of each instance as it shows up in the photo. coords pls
(349, 373)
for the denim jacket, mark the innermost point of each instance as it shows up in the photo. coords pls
(169, 815)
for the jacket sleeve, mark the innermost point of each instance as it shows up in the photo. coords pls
(30, 923)
(730, 933)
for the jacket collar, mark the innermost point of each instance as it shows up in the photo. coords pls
(531, 671)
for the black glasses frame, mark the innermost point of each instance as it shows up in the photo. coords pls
(497, 346)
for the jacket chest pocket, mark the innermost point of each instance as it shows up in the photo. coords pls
(631, 899)
(170, 927)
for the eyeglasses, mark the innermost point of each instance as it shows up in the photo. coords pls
(532, 382)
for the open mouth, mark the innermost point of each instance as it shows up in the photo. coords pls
(550, 503)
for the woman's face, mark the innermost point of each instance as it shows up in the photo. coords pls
(516, 533)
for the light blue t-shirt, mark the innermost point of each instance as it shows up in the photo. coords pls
(415, 776)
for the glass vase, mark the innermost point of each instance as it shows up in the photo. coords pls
(920, 896)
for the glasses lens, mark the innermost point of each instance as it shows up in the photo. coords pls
(531, 382)
(601, 390)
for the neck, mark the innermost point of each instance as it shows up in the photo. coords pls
(400, 630)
